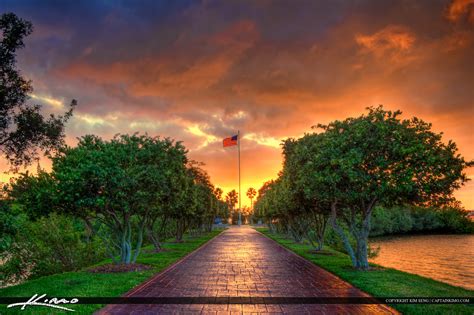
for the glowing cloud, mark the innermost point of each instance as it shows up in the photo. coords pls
(196, 130)
(58, 104)
(394, 42)
(198, 71)
(267, 141)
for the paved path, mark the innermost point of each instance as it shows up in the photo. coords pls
(242, 262)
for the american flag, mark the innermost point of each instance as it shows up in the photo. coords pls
(228, 142)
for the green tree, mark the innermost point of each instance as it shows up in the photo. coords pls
(206, 205)
(218, 193)
(223, 208)
(49, 245)
(373, 159)
(231, 199)
(172, 179)
(35, 193)
(260, 203)
(23, 129)
(272, 205)
(186, 198)
(308, 216)
(12, 219)
(251, 193)
(121, 183)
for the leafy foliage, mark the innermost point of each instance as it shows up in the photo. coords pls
(23, 129)
(35, 193)
(124, 190)
(231, 199)
(251, 193)
(85, 283)
(49, 245)
(410, 219)
(355, 164)
(12, 219)
(122, 183)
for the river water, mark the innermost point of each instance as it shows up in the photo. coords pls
(446, 258)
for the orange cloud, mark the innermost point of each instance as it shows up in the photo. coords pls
(271, 71)
(393, 42)
(175, 73)
(459, 9)
(390, 38)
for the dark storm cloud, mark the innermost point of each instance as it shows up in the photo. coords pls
(199, 70)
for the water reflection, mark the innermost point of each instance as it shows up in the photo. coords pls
(447, 258)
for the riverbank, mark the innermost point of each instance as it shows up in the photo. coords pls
(383, 282)
(87, 284)
(445, 258)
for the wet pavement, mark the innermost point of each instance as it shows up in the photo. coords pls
(241, 262)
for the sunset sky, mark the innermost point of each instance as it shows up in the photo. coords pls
(198, 71)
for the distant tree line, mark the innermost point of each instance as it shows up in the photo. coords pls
(411, 220)
(339, 176)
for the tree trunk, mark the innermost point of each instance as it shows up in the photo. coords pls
(154, 239)
(361, 235)
(320, 227)
(139, 242)
(209, 224)
(362, 239)
(89, 229)
(342, 235)
(311, 240)
(320, 235)
(271, 226)
(296, 231)
(180, 225)
(126, 250)
(361, 254)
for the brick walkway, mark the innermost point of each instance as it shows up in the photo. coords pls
(242, 262)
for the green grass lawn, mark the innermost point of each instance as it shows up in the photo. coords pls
(385, 282)
(86, 284)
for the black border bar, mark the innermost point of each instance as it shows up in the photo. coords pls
(255, 300)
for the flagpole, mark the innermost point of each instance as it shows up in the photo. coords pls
(240, 197)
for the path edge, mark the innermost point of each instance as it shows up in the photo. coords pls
(144, 284)
(141, 286)
(389, 308)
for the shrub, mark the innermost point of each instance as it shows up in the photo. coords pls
(456, 220)
(47, 246)
(11, 219)
(409, 219)
(382, 222)
(402, 220)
